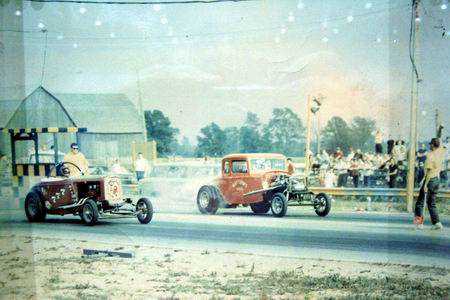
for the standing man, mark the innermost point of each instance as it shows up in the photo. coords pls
(140, 167)
(390, 146)
(378, 142)
(75, 157)
(430, 186)
(290, 166)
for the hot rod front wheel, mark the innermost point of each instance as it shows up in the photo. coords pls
(279, 205)
(144, 210)
(322, 204)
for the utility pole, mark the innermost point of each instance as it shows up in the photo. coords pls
(308, 137)
(415, 21)
(140, 106)
(437, 120)
(318, 133)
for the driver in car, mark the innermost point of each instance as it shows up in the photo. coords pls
(75, 157)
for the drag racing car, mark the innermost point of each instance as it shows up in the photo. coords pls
(90, 197)
(261, 181)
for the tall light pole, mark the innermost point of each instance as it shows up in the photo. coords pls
(415, 21)
(318, 133)
(312, 107)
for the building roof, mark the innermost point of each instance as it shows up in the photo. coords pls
(102, 113)
(99, 113)
(7, 109)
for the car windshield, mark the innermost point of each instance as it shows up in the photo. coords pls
(267, 164)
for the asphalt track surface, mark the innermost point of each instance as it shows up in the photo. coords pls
(367, 237)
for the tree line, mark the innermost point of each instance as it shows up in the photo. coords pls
(283, 133)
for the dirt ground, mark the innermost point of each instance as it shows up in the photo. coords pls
(38, 268)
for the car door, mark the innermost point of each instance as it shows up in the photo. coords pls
(239, 181)
(226, 180)
(60, 193)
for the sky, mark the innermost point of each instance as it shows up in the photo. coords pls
(203, 63)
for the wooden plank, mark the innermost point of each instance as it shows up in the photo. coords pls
(90, 252)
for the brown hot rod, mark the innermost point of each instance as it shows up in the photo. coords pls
(90, 197)
(260, 180)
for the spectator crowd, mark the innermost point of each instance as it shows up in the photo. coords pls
(371, 169)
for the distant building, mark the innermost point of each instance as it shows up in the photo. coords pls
(112, 122)
(7, 109)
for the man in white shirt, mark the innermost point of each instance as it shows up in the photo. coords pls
(378, 142)
(430, 186)
(140, 166)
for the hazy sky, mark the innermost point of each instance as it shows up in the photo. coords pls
(214, 62)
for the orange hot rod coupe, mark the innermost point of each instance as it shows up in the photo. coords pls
(90, 197)
(260, 180)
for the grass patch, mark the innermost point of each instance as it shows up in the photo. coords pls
(281, 282)
(54, 279)
(296, 283)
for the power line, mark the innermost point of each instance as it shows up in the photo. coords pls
(139, 2)
(412, 35)
(189, 35)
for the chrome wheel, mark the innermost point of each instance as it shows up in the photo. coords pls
(142, 209)
(32, 209)
(277, 205)
(204, 200)
(322, 204)
(87, 213)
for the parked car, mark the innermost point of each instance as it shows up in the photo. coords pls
(91, 197)
(261, 181)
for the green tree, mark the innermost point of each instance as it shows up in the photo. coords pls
(336, 134)
(362, 137)
(159, 129)
(249, 134)
(211, 141)
(232, 137)
(284, 133)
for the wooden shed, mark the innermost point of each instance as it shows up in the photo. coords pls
(112, 122)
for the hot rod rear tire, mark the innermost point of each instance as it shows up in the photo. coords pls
(278, 205)
(260, 207)
(89, 212)
(144, 203)
(206, 200)
(34, 207)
